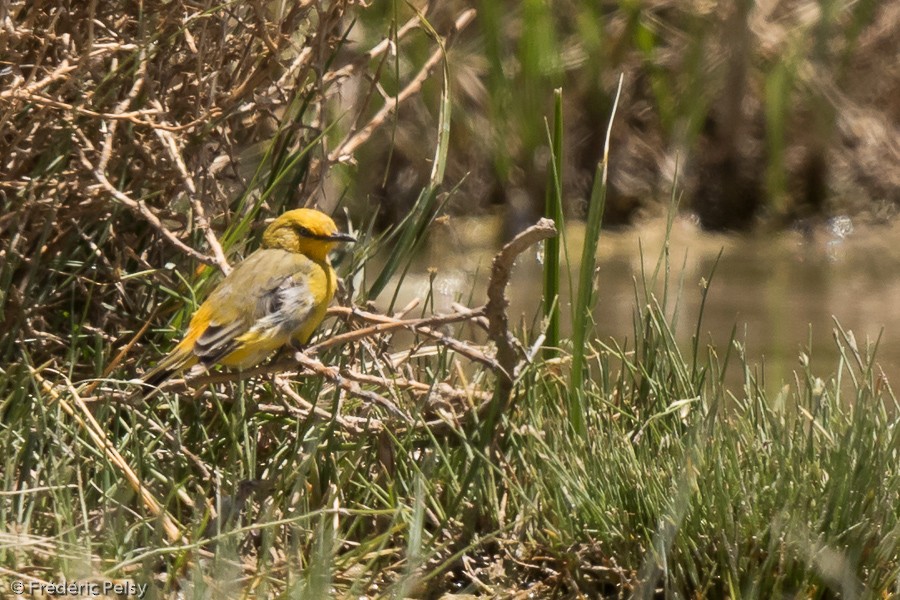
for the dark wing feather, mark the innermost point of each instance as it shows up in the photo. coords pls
(217, 341)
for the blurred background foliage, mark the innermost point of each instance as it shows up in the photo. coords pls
(772, 111)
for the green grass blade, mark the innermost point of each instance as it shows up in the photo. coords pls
(582, 323)
(553, 210)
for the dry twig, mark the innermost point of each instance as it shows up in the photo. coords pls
(495, 309)
(504, 366)
(349, 145)
(87, 422)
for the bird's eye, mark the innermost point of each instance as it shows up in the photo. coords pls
(304, 231)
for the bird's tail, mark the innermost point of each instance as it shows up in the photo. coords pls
(158, 374)
(179, 359)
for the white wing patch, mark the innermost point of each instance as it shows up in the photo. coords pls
(287, 307)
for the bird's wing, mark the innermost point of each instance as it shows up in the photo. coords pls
(264, 300)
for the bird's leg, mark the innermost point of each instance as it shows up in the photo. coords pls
(286, 351)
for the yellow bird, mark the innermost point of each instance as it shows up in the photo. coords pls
(277, 296)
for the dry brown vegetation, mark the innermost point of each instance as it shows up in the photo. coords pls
(137, 137)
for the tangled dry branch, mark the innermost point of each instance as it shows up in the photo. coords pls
(503, 360)
(144, 130)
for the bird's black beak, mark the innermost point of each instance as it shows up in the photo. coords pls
(341, 237)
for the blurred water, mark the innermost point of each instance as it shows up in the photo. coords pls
(780, 290)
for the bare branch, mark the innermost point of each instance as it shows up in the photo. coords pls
(495, 309)
(171, 147)
(346, 148)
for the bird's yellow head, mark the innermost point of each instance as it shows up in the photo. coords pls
(306, 231)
